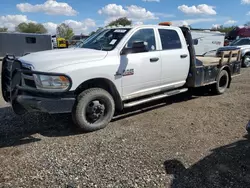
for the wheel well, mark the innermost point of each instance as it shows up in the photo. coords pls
(104, 84)
(229, 73)
(247, 53)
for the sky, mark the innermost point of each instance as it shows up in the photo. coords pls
(85, 16)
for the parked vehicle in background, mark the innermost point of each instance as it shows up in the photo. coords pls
(244, 45)
(116, 68)
(59, 42)
(77, 38)
(208, 41)
(77, 45)
(236, 33)
(19, 44)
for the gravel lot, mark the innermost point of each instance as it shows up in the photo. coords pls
(182, 141)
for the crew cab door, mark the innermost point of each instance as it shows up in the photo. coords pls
(141, 70)
(175, 58)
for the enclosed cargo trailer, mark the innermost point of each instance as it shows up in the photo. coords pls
(207, 41)
(19, 44)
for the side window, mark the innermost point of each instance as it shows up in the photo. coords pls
(143, 35)
(30, 40)
(169, 39)
(244, 42)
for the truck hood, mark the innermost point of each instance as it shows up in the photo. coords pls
(49, 60)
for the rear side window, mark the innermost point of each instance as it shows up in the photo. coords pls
(31, 40)
(169, 39)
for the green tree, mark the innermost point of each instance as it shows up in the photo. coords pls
(224, 29)
(247, 24)
(3, 29)
(120, 21)
(31, 28)
(64, 31)
(93, 32)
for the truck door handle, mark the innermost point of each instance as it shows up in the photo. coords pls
(154, 59)
(184, 56)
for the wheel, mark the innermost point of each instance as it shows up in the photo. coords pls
(246, 61)
(248, 127)
(93, 110)
(222, 82)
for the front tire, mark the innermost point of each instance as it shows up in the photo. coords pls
(222, 83)
(93, 110)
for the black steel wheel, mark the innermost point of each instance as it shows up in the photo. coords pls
(222, 82)
(93, 110)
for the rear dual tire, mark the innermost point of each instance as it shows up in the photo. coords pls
(222, 83)
(94, 109)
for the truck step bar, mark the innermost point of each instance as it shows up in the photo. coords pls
(157, 97)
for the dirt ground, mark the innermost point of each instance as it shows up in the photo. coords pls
(183, 141)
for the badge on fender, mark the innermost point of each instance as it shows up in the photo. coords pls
(128, 72)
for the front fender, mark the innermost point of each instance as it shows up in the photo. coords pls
(244, 52)
(83, 72)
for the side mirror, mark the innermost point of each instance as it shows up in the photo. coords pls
(195, 41)
(138, 46)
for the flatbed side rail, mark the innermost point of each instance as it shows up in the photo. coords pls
(229, 56)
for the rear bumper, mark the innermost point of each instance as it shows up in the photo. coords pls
(26, 103)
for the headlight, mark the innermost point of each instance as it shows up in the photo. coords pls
(52, 83)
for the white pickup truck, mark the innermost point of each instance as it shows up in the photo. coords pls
(114, 69)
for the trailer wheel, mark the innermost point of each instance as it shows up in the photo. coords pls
(93, 110)
(246, 61)
(222, 82)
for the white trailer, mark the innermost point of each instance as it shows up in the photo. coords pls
(207, 41)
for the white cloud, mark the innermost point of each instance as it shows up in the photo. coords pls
(138, 23)
(200, 9)
(79, 27)
(11, 21)
(164, 15)
(51, 7)
(51, 27)
(216, 26)
(230, 22)
(245, 1)
(151, 1)
(84, 26)
(132, 12)
(139, 13)
(191, 21)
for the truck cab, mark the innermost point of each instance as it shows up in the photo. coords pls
(114, 69)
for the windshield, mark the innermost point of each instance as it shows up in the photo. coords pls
(106, 39)
(240, 42)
